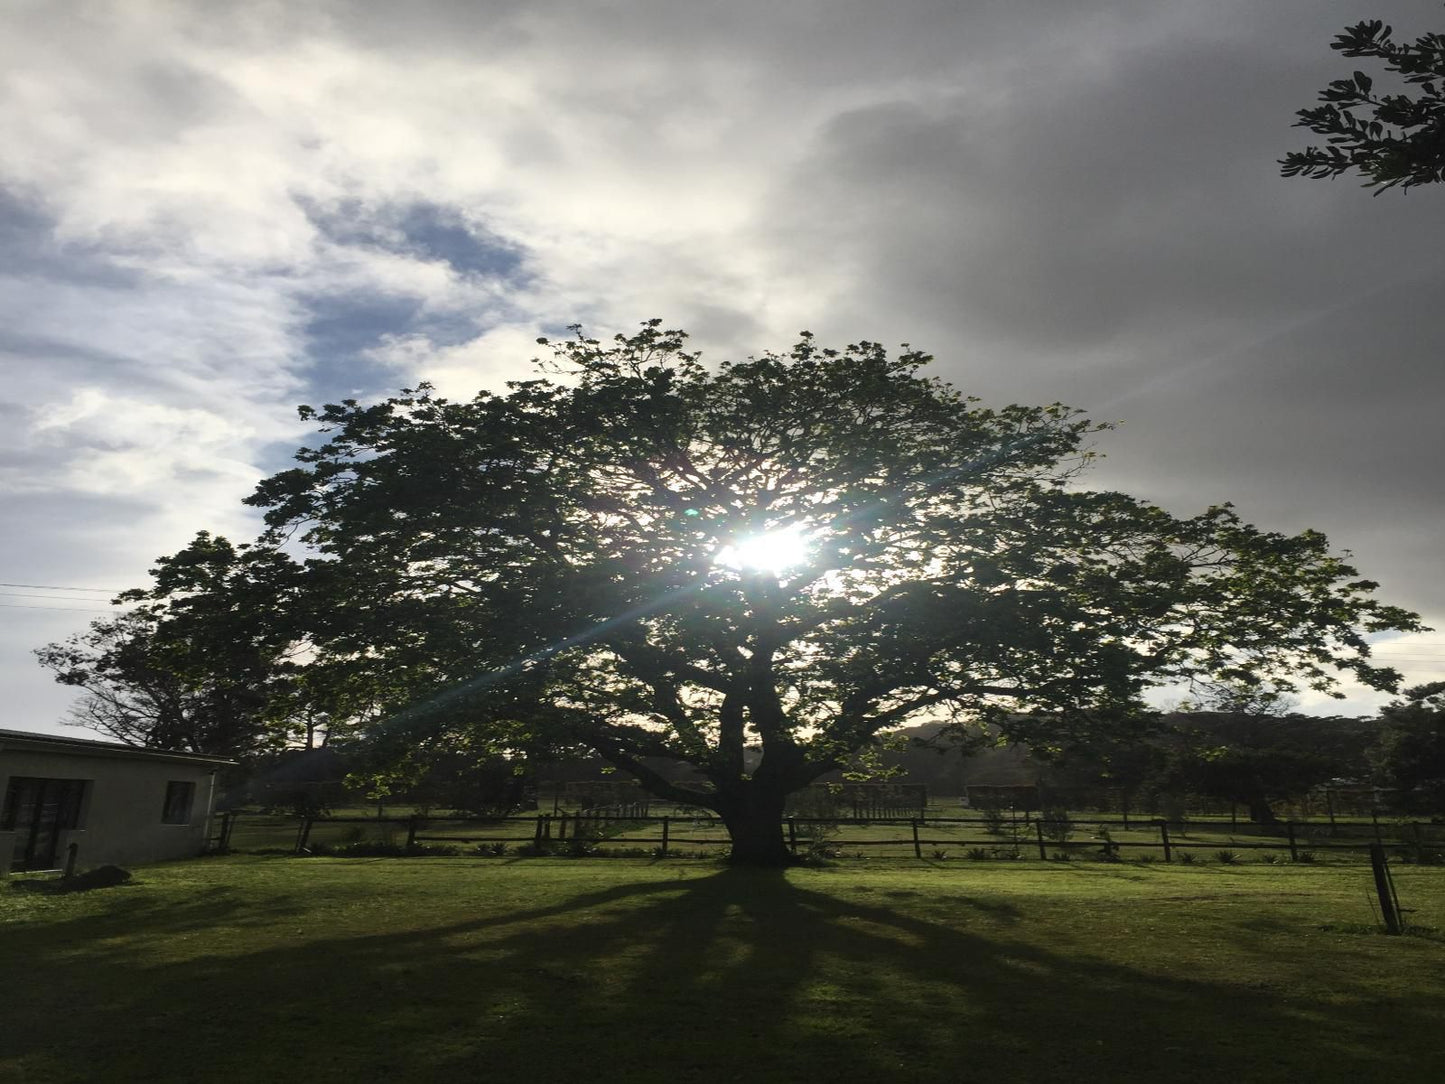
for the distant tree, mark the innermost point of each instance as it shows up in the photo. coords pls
(936, 756)
(658, 561)
(1127, 762)
(130, 696)
(479, 786)
(202, 664)
(1411, 751)
(1257, 759)
(1389, 139)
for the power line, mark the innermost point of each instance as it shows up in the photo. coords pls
(51, 587)
(68, 598)
(63, 609)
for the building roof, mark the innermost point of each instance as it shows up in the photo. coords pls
(30, 741)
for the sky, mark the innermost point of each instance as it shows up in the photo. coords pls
(212, 213)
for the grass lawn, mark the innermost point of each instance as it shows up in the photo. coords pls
(264, 969)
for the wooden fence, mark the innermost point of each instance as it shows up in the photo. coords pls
(1013, 837)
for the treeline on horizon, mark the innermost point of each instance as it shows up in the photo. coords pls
(1264, 765)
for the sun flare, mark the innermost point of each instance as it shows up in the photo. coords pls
(773, 551)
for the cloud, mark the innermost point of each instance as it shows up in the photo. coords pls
(213, 214)
(423, 231)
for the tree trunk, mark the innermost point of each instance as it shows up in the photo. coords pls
(1260, 811)
(754, 820)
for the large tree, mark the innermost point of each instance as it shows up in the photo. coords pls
(663, 562)
(1389, 139)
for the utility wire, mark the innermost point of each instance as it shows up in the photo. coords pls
(52, 587)
(58, 598)
(63, 609)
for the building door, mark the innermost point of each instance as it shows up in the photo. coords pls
(37, 811)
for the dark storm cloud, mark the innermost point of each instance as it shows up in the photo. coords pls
(1083, 211)
(812, 43)
(1331, 421)
(1116, 235)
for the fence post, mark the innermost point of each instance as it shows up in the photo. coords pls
(303, 836)
(1043, 852)
(1383, 889)
(664, 837)
(1164, 838)
(562, 827)
(1293, 849)
(537, 830)
(917, 847)
(793, 834)
(1419, 842)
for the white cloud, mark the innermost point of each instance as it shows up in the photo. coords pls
(1068, 201)
(125, 446)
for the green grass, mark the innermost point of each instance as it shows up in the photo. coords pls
(434, 969)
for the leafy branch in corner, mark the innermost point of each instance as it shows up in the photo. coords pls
(1389, 139)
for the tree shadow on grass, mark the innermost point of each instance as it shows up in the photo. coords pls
(741, 975)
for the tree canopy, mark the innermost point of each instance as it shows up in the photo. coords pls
(1411, 752)
(727, 581)
(203, 663)
(1257, 760)
(1389, 139)
(658, 561)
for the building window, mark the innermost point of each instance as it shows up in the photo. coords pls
(55, 802)
(179, 798)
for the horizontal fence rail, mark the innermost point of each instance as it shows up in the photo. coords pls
(986, 836)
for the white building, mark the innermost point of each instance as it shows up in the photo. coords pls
(119, 804)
